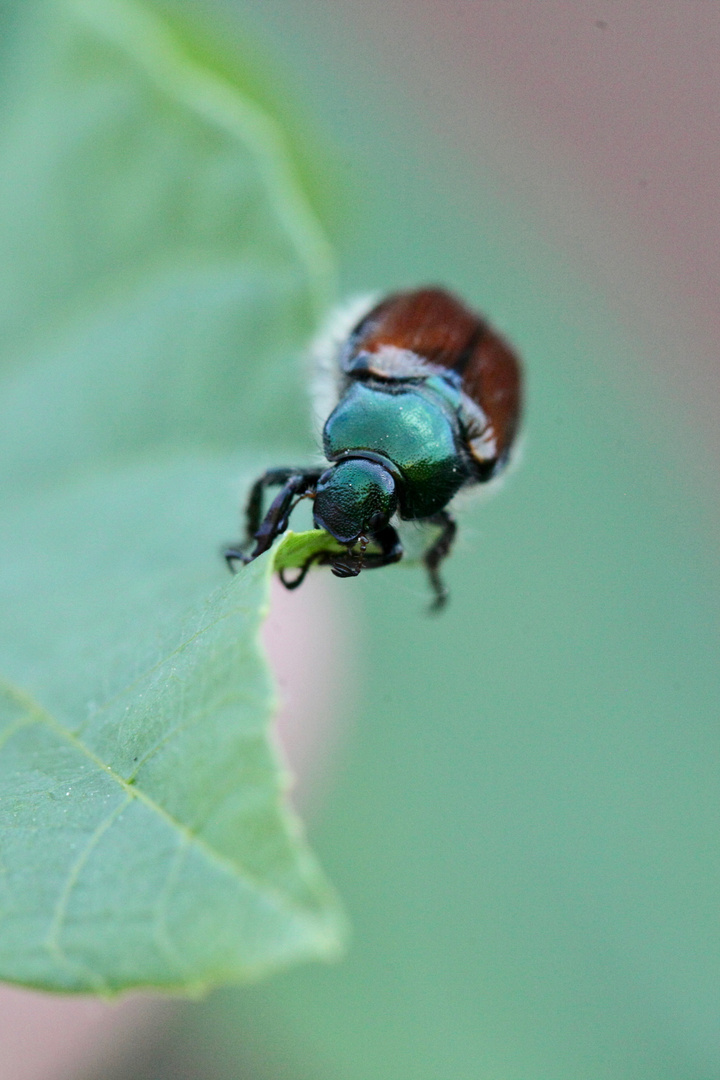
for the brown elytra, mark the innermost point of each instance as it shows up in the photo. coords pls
(441, 330)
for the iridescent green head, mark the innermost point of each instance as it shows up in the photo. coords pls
(356, 497)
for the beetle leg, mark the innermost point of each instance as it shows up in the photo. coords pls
(391, 549)
(271, 478)
(296, 484)
(233, 555)
(435, 554)
(293, 583)
(276, 519)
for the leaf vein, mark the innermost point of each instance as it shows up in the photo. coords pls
(52, 941)
(162, 934)
(227, 864)
(196, 718)
(27, 721)
(240, 609)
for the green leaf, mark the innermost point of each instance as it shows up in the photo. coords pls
(297, 548)
(160, 273)
(148, 845)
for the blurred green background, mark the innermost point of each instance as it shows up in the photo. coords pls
(524, 820)
(525, 824)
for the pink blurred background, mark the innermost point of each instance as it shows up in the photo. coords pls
(617, 104)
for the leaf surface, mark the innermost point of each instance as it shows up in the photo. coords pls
(160, 274)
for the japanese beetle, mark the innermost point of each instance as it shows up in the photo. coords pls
(425, 402)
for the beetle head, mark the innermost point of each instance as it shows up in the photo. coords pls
(354, 500)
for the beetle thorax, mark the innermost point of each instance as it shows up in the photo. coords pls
(415, 428)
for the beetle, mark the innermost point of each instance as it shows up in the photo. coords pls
(426, 402)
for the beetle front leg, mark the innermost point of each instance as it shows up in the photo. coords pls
(296, 484)
(254, 505)
(435, 554)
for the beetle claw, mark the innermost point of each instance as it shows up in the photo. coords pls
(346, 566)
(233, 555)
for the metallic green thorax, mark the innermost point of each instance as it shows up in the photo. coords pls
(415, 427)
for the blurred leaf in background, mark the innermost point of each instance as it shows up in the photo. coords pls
(159, 274)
